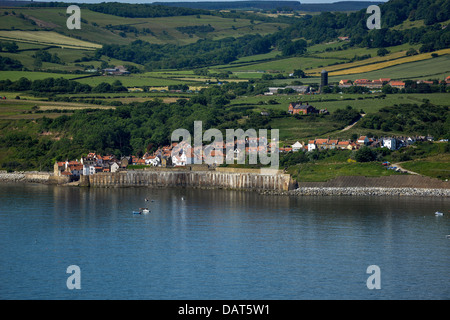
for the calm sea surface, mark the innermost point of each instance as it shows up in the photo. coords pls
(219, 245)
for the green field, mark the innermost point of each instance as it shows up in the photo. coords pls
(13, 109)
(320, 171)
(436, 68)
(440, 170)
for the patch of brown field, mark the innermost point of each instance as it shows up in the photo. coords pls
(56, 104)
(33, 116)
(42, 23)
(62, 107)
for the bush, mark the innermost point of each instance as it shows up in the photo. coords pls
(365, 154)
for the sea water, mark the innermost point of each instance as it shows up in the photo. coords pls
(217, 244)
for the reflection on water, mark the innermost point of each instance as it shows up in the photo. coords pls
(214, 244)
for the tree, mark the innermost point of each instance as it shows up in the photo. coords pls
(37, 63)
(365, 154)
(103, 87)
(382, 52)
(294, 47)
(11, 47)
(298, 73)
(411, 52)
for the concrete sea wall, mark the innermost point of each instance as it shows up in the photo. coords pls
(222, 179)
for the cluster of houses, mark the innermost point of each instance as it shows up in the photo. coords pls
(175, 155)
(371, 84)
(379, 83)
(182, 154)
(376, 84)
(391, 143)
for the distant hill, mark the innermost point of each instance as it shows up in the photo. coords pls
(239, 5)
(338, 6)
(13, 3)
(273, 5)
(235, 5)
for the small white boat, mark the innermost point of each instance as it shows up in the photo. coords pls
(144, 210)
(437, 213)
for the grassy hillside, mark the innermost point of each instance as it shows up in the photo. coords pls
(103, 28)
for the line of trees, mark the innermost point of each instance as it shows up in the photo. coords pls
(58, 85)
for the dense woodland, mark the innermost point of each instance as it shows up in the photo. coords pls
(426, 119)
(200, 54)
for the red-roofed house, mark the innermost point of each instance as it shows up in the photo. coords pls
(332, 144)
(300, 108)
(361, 82)
(397, 84)
(322, 143)
(343, 145)
(363, 140)
(345, 83)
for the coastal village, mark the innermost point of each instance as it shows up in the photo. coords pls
(181, 154)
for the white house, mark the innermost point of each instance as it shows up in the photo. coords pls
(312, 145)
(179, 160)
(297, 147)
(410, 140)
(88, 169)
(154, 161)
(114, 167)
(390, 143)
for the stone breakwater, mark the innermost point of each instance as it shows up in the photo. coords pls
(33, 177)
(368, 191)
(12, 177)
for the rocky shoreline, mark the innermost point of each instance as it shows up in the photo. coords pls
(12, 177)
(363, 191)
(25, 176)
